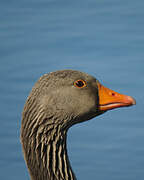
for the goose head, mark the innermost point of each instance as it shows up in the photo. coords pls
(57, 101)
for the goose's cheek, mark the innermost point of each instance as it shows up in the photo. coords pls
(85, 106)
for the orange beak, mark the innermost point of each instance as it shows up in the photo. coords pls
(109, 99)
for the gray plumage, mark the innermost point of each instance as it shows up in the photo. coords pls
(53, 106)
(57, 101)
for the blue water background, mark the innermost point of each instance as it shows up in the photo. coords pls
(104, 38)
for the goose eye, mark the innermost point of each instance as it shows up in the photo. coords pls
(80, 83)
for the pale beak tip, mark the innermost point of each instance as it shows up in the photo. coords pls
(133, 101)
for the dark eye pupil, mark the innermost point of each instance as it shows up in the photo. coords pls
(79, 83)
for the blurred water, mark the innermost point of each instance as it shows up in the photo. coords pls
(103, 38)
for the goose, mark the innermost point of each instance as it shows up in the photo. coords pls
(57, 101)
